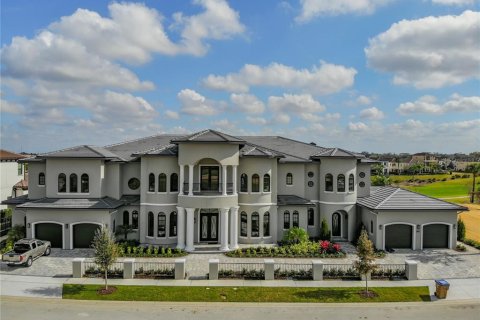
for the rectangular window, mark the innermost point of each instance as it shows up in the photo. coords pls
(243, 224)
(311, 217)
(255, 225)
(295, 219)
(20, 169)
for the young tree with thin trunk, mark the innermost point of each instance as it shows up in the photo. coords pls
(106, 250)
(366, 257)
(474, 169)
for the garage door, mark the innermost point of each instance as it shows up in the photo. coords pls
(398, 236)
(83, 234)
(50, 232)
(435, 236)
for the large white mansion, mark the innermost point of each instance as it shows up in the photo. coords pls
(210, 187)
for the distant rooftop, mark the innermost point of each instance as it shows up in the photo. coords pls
(6, 155)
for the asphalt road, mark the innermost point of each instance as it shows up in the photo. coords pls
(22, 308)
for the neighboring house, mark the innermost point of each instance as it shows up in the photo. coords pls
(13, 175)
(424, 158)
(186, 191)
(462, 165)
(397, 166)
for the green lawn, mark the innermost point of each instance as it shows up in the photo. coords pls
(444, 189)
(244, 294)
(406, 177)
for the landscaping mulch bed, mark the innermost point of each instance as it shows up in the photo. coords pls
(103, 291)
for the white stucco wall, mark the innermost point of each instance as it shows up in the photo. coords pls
(9, 177)
(36, 191)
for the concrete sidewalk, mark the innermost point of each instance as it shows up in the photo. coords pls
(12, 285)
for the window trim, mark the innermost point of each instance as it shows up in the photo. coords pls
(289, 175)
(266, 214)
(82, 190)
(135, 212)
(150, 218)
(164, 216)
(63, 176)
(151, 184)
(244, 175)
(171, 225)
(296, 214)
(172, 183)
(339, 178)
(242, 215)
(327, 184)
(44, 179)
(312, 211)
(256, 177)
(162, 174)
(269, 184)
(351, 179)
(72, 175)
(257, 216)
(286, 213)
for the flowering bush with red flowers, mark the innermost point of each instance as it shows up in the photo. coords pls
(329, 247)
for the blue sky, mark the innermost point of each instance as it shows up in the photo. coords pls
(369, 75)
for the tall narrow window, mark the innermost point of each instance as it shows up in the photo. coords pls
(341, 183)
(135, 219)
(150, 224)
(351, 183)
(243, 224)
(162, 182)
(311, 217)
(62, 182)
(41, 179)
(174, 182)
(243, 183)
(173, 225)
(84, 183)
(266, 183)
(255, 183)
(328, 182)
(126, 218)
(266, 224)
(151, 182)
(296, 219)
(20, 169)
(162, 225)
(286, 220)
(289, 179)
(73, 183)
(255, 225)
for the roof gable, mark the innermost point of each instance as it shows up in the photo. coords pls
(209, 136)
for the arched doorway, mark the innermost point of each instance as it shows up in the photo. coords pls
(336, 224)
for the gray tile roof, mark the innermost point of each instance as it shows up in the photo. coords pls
(250, 150)
(337, 152)
(17, 200)
(209, 135)
(130, 149)
(82, 203)
(84, 151)
(286, 200)
(391, 198)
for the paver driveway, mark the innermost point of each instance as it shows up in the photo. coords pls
(433, 264)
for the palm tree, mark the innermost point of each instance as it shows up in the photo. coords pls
(474, 169)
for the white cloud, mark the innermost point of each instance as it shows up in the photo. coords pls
(194, 103)
(314, 8)
(454, 2)
(281, 118)
(257, 120)
(430, 52)
(364, 100)
(295, 103)
(372, 113)
(11, 107)
(170, 114)
(357, 126)
(247, 103)
(430, 105)
(325, 79)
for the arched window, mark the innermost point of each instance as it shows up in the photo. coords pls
(151, 182)
(174, 182)
(340, 183)
(289, 179)
(243, 183)
(126, 218)
(311, 216)
(286, 220)
(173, 225)
(255, 225)
(351, 183)
(162, 225)
(150, 224)
(41, 179)
(296, 219)
(328, 182)
(135, 219)
(114, 226)
(62, 182)
(73, 183)
(255, 183)
(266, 224)
(266, 183)
(84, 184)
(243, 224)
(162, 182)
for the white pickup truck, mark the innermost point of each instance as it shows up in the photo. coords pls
(25, 251)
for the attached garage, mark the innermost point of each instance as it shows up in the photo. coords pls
(398, 236)
(83, 234)
(50, 232)
(435, 236)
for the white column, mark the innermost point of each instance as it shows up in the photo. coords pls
(190, 179)
(224, 178)
(182, 178)
(234, 179)
(180, 227)
(224, 229)
(190, 227)
(234, 228)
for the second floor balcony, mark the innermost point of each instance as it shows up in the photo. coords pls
(208, 189)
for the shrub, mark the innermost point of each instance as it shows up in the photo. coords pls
(461, 230)
(461, 247)
(295, 235)
(473, 243)
(324, 231)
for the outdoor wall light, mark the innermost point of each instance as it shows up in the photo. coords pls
(66, 226)
(28, 225)
(380, 226)
(418, 227)
(454, 226)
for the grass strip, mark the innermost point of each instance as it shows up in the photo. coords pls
(245, 294)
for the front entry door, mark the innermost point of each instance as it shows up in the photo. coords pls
(209, 225)
(336, 225)
(209, 178)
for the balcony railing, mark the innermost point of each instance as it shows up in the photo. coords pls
(198, 189)
(5, 226)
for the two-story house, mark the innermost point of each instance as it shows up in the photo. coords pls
(212, 188)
